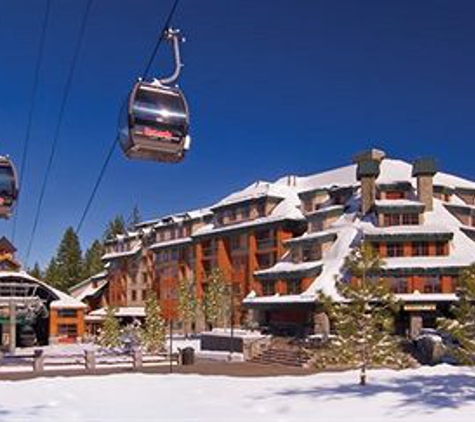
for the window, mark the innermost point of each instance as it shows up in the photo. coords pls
(441, 248)
(310, 253)
(67, 313)
(410, 219)
(134, 295)
(392, 220)
(395, 195)
(261, 210)
(268, 287)
(246, 212)
(232, 215)
(432, 285)
(294, 287)
(69, 330)
(307, 205)
(266, 260)
(420, 249)
(398, 285)
(395, 249)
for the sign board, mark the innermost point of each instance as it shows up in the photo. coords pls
(420, 307)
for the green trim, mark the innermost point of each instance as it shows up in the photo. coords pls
(398, 186)
(311, 272)
(413, 237)
(467, 191)
(395, 272)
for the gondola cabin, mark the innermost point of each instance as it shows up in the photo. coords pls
(155, 123)
(8, 186)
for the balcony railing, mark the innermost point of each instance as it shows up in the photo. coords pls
(266, 243)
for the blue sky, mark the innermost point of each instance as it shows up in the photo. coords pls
(274, 86)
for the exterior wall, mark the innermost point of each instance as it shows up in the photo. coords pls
(56, 322)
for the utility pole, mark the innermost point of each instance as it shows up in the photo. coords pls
(12, 312)
(231, 313)
(171, 345)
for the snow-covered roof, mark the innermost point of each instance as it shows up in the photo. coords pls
(259, 189)
(129, 311)
(312, 237)
(396, 203)
(427, 297)
(62, 300)
(123, 254)
(408, 230)
(289, 268)
(287, 209)
(171, 243)
(277, 299)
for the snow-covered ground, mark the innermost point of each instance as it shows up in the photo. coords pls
(433, 394)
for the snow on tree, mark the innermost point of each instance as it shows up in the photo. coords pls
(363, 319)
(110, 330)
(462, 326)
(187, 303)
(153, 330)
(216, 299)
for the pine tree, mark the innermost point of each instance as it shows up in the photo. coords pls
(462, 327)
(110, 332)
(134, 219)
(69, 260)
(93, 259)
(115, 227)
(153, 331)
(216, 299)
(36, 271)
(187, 303)
(52, 274)
(363, 319)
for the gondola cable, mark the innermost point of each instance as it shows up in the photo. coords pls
(105, 164)
(29, 123)
(62, 109)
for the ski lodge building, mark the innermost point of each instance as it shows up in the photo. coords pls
(31, 311)
(282, 243)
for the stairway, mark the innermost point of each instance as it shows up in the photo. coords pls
(282, 353)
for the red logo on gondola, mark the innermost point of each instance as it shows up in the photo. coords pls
(154, 133)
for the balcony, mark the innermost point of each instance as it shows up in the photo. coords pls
(265, 244)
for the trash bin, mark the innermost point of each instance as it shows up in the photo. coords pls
(187, 356)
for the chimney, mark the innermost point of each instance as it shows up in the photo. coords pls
(367, 172)
(292, 180)
(424, 170)
(372, 154)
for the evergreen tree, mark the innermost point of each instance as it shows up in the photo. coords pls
(462, 327)
(52, 274)
(134, 219)
(363, 320)
(216, 299)
(36, 271)
(115, 227)
(187, 303)
(93, 259)
(153, 331)
(69, 260)
(110, 332)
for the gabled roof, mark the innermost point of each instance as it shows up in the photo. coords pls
(6, 245)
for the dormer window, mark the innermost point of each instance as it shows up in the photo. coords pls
(261, 210)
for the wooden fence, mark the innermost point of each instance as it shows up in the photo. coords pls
(39, 363)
